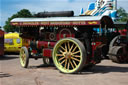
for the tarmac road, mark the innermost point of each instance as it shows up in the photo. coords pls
(105, 73)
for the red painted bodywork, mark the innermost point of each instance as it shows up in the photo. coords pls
(64, 32)
(45, 44)
(62, 36)
(94, 46)
(47, 52)
(34, 51)
(52, 44)
(1, 42)
(56, 23)
(123, 32)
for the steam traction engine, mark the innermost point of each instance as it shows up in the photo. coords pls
(71, 43)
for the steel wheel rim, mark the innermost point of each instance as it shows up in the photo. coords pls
(67, 56)
(22, 57)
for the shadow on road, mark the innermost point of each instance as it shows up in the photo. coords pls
(6, 57)
(2, 75)
(104, 69)
(42, 66)
(96, 69)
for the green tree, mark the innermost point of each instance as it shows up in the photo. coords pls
(22, 14)
(122, 15)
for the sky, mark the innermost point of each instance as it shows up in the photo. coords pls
(10, 7)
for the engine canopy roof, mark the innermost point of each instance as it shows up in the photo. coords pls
(64, 21)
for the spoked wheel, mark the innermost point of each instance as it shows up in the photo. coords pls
(69, 55)
(24, 57)
(47, 61)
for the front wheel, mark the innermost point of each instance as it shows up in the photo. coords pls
(69, 55)
(47, 61)
(24, 57)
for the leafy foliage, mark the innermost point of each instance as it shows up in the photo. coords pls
(22, 13)
(122, 15)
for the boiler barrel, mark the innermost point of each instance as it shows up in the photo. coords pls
(55, 14)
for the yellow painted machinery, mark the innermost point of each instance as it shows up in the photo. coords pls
(12, 42)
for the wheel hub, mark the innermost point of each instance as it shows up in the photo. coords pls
(68, 55)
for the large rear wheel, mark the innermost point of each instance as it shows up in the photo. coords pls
(69, 55)
(24, 57)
